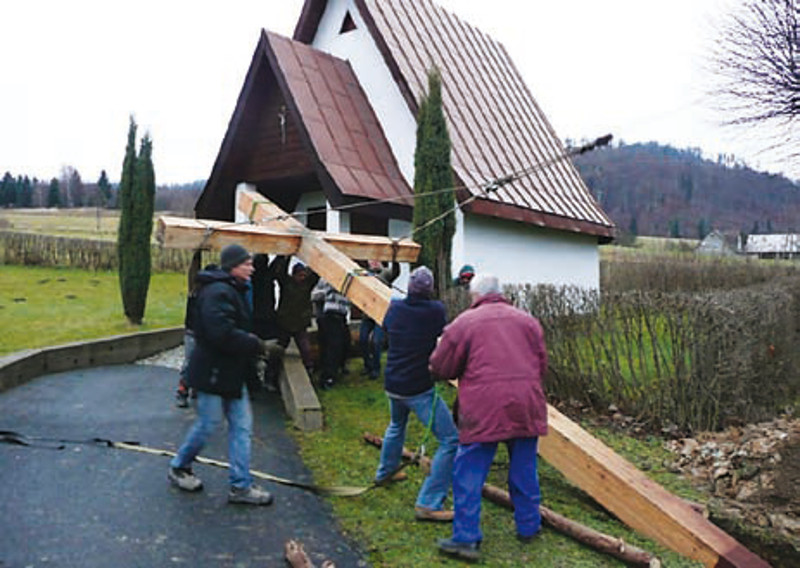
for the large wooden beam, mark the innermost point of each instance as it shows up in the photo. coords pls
(367, 292)
(635, 499)
(180, 232)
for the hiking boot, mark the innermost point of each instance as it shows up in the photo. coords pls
(527, 539)
(434, 515)
(465, 550)
(182, 399)
(252, 495)
(398, 476)
(184, 479)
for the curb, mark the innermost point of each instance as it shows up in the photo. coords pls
(22, 366)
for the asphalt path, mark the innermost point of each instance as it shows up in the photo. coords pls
(93, 506)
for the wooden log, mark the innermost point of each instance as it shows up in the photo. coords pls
(183, 233)
(297, 558)
(601, 542)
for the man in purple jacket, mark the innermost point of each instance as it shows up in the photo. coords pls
(498, 355)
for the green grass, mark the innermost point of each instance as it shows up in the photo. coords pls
(50, 306)
(382, 520)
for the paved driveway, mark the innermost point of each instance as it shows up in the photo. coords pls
(92, 506)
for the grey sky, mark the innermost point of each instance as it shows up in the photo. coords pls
(72, 72)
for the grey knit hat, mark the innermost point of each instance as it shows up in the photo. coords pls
(421, 281)
(232, 256)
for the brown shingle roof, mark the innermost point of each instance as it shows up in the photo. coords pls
(495, 125)
(339, 122)
(352, 156)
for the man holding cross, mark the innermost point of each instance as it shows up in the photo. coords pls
(223, 360)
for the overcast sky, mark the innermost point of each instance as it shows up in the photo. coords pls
(71, 72)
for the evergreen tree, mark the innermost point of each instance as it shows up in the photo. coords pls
(432, 173)
(136, 194)
(674, 229)
(7, 190)
(104, 189)
(54, 194)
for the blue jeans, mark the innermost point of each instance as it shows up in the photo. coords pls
(370, 341)
(436, 485)
(210, 409)
(469, 474)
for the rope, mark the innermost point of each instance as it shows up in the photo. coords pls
(484, 188)
(11, 437)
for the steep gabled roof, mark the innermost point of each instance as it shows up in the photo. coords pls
(495, 125)
(340, 139)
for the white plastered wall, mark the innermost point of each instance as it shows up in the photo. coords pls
(523, 254)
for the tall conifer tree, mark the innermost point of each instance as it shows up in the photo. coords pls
(136, 195)
(433, 172)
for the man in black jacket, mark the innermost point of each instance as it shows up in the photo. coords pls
(223, 360)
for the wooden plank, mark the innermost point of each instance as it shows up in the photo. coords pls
(180, 232)
(367, 292)
(637, 500)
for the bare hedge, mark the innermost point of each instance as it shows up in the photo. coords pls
(691, 360)
(89, 254)
(699, 361)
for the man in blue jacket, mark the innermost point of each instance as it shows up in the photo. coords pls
(223, 360)
(413, 325)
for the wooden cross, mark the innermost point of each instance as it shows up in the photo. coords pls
(588, 463)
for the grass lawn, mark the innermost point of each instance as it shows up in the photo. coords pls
(382, 521)
(51, 306)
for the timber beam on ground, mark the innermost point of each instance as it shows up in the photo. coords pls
(612, 481)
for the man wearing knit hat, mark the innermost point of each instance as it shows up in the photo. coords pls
(413, 324)
(223, 360)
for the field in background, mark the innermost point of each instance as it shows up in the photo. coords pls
(82, 223)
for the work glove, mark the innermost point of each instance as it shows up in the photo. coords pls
(270, 348)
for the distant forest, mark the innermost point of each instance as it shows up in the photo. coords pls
(654, 190)
(646, 189)
(69, 191)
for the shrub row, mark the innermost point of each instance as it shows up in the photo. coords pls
(89, 254)
(698, 361)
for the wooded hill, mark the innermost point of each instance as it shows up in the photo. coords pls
(650, 189)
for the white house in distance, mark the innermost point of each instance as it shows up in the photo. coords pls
(773, 246)
(325, 125)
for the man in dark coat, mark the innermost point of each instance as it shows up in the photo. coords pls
(413, 324)
(498, 355)
(223, 360)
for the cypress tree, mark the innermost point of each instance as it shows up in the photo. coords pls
(433, 173)
(136, 195)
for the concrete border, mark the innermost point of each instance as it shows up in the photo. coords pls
(22, 366)
(299, 397)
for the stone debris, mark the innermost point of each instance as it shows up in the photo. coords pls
(752, 471)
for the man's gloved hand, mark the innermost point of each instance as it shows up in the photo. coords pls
(270, 348)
